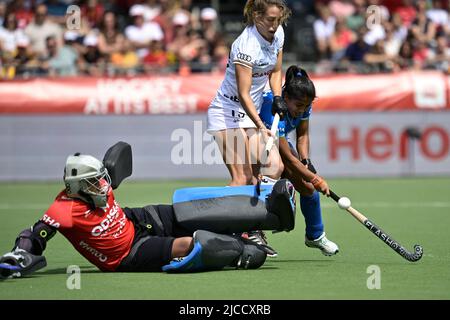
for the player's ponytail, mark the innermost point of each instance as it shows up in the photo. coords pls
(248, 13)
(259, 7)
(298, 84)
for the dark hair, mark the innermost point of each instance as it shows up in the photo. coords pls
(5, 22)
(102, 25)
(260, 7)
(298, 85)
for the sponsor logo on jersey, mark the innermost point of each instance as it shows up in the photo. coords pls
(232, 98)
(51, 222)
(261, 74)
(100, 256)
(261, 64)
(107, 222)
(244, 57)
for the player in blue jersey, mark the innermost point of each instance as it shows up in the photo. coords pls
(299, 93)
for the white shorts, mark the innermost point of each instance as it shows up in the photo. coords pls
(221, 119)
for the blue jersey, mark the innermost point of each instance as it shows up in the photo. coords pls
(287, 124)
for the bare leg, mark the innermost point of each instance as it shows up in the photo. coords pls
(181, 247)
(271, 165)
(303, 187)
(234, 146)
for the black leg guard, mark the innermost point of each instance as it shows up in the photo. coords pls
(214, 251)
(253, 256)
(281, 201)
(244, 210)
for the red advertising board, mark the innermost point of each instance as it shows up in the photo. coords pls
(191, 94)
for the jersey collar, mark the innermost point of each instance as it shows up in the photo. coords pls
(260, 38)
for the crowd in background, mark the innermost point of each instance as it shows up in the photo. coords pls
(112, 38)
(126, 37)
(351, 33)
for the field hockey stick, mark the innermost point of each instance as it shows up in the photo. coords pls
(273, 130)
(387, 239)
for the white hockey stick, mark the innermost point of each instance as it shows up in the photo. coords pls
(273, 129)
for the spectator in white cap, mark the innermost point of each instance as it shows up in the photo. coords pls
(92, 62)
(208, 14)
(24, 61)
(180, 23)
(71, 35)
(141, 33)
(152, 9)
(91, 40)
(73, 41)
(180, 19)
(210, 28)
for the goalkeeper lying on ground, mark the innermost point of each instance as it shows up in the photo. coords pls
(202, 226)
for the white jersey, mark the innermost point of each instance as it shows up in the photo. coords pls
(251, 50)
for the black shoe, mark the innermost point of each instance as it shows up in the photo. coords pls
(259, 237)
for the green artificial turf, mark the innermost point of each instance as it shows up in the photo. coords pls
(410, 210)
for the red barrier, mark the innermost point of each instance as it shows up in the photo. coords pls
(383, 92)
(191, 94)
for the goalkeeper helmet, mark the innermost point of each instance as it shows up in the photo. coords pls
(86, 178)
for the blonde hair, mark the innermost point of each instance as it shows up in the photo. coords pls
(260, 7)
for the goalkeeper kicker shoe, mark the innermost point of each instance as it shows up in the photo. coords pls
(327, 247)
(259, 237)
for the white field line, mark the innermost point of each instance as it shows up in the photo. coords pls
(324, 204)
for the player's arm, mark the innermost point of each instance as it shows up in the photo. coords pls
(275, 79)
(244, 84)
(294, 165)
(34, 239)
(303, 139)
(303, 144)
(26, 256)
(276, 76)
(292, 162)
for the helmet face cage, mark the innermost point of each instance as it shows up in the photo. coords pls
(96, 186)
(87, 179)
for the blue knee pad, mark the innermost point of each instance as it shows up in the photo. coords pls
(191, 263)
(214, 251)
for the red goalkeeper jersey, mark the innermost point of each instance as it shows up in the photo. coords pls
(103, 236)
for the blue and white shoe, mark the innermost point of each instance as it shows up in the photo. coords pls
(327, 247)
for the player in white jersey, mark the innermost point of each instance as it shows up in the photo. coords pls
(255, 60)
